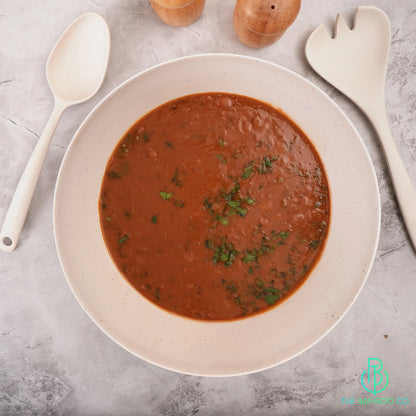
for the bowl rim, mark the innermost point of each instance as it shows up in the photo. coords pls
(131, 79)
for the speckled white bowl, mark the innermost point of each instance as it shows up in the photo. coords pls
(218, 348)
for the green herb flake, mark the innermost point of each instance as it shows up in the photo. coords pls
(230, 287)
(242, 212)
(221, 142)
(265, 165)
(221, 158)
(267, 162)
(223, 220)
(209, 245)
(250, 201)
(179, 203)
(250, 257)
(123, 239)
(314, 244)
(165, 195)
(264, 249)
(248, 171)
(112, 174)
(207, 204)
(108, 219)
(234, 204)
(259, 282)
(282, 234)
(271, 298)
(154, 219)
(169, 144)
(230, 195)
(225, 254)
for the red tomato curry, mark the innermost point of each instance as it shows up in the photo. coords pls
(215, 206)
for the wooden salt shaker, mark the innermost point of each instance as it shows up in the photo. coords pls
(178, 12)
(259, 23)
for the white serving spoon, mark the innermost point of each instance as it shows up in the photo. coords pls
(355, 62)
(75, 71)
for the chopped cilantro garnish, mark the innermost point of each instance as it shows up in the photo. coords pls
(233, 191)
(259, 282)
(179, 203)
(242, 212)
(113, 175)
(248, 170)
(207, 204)
(176, 179)
(265, 165)
(282, 234)
(234, 204)
(230, 287)
(123, 239)
(225, 253)
(209, 245)
(154, 219)
(221, 158)
(314, 244)
(250, 257)
(166, 195)
(250, 201)
(271, 299)
(222, 220)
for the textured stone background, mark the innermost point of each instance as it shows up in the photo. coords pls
(55, 361)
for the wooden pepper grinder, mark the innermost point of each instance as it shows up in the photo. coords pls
(178, 12)
(259, 23)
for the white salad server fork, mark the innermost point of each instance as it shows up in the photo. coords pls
(355, 62)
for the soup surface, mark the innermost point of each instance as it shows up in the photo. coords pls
(215, 206)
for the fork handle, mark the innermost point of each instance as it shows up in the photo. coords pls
(404, 188)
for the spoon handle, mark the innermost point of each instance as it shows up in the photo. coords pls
(16, 215)
(404, 189)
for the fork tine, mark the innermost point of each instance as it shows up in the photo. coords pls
(340, 26)
(319, 35)
(318, 46)
(364, 13)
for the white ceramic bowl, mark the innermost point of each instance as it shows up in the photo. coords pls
(218, 348)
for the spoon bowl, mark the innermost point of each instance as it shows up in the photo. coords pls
(75, 71)
(77, 64)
